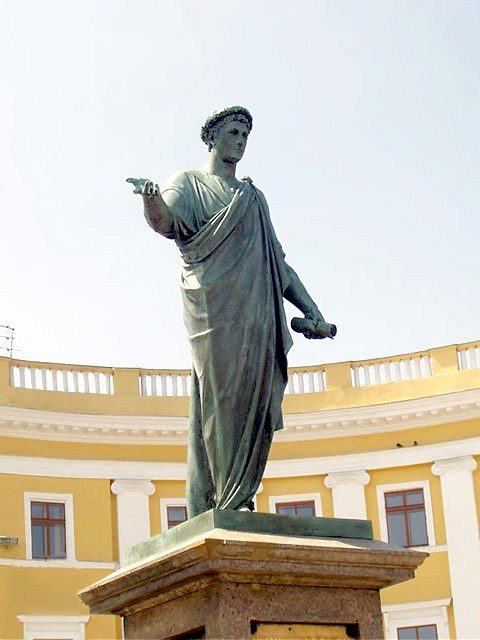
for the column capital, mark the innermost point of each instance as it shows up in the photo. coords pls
(359, 476)
(464, 463)
(139, 486)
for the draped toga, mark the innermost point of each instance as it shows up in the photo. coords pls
(232, 281)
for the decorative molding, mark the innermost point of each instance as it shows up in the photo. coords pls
(353, 421)
(45, 627)
(347, 477)
(409, 606)
(464, 463)
(48, 619)
(383, 459)
(138, 486)
(437, 548)
(285, 468)
(77, 427)
(58, 564)
(382, 418)
(93, 469)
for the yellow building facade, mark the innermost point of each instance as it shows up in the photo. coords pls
(93, 460)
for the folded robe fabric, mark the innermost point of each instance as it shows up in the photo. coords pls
(233, 278)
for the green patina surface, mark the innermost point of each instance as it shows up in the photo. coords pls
(234, 280)
(244, 521)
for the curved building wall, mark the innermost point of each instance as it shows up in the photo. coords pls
(110, 446)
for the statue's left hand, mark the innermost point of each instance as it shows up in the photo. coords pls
(316, 317)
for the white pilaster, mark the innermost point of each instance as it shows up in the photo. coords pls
(133, 512)
(348, 493)
(461, 525)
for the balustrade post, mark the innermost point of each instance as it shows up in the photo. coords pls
(4, 375)
(338, 376)
(126, 382)
(444, 360)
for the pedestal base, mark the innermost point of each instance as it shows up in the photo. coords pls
(236, 610)
(237, 584)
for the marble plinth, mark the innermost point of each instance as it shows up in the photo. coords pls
(225, 583)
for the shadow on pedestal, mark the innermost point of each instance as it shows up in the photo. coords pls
(230, 574)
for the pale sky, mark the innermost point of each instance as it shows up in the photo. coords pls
(365, 142)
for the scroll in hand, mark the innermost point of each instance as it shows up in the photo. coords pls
(312, 329)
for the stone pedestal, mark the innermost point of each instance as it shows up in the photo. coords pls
(243, 575)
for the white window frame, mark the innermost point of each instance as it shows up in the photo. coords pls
(382, 489)
(297, 497)
(417, 614)
(51, 627)
(169, 502)
(61, 498)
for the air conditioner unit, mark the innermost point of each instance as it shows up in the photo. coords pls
(8, 541)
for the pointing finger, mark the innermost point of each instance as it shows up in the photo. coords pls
(138, 183)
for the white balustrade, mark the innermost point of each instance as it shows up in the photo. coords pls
(308, 381)
(68, 380)
(179, 384)
(365, 374)
(469, 358)
(165, 384)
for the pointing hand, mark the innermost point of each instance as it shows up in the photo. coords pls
(144, 187)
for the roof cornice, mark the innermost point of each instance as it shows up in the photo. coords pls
(167, 430)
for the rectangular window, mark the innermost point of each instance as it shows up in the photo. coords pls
(175, 515)
(48, 530)
(305, 508)
(406, 521)
(421, 632)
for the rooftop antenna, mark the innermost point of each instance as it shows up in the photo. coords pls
(7, 337)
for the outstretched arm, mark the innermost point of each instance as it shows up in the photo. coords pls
(155, 209)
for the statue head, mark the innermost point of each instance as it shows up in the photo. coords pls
(216, 121)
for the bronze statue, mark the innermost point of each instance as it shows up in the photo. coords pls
(234, 278)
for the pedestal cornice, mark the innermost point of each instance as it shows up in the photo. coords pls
(245, 557)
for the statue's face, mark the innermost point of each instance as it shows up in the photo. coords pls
(231, 140)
